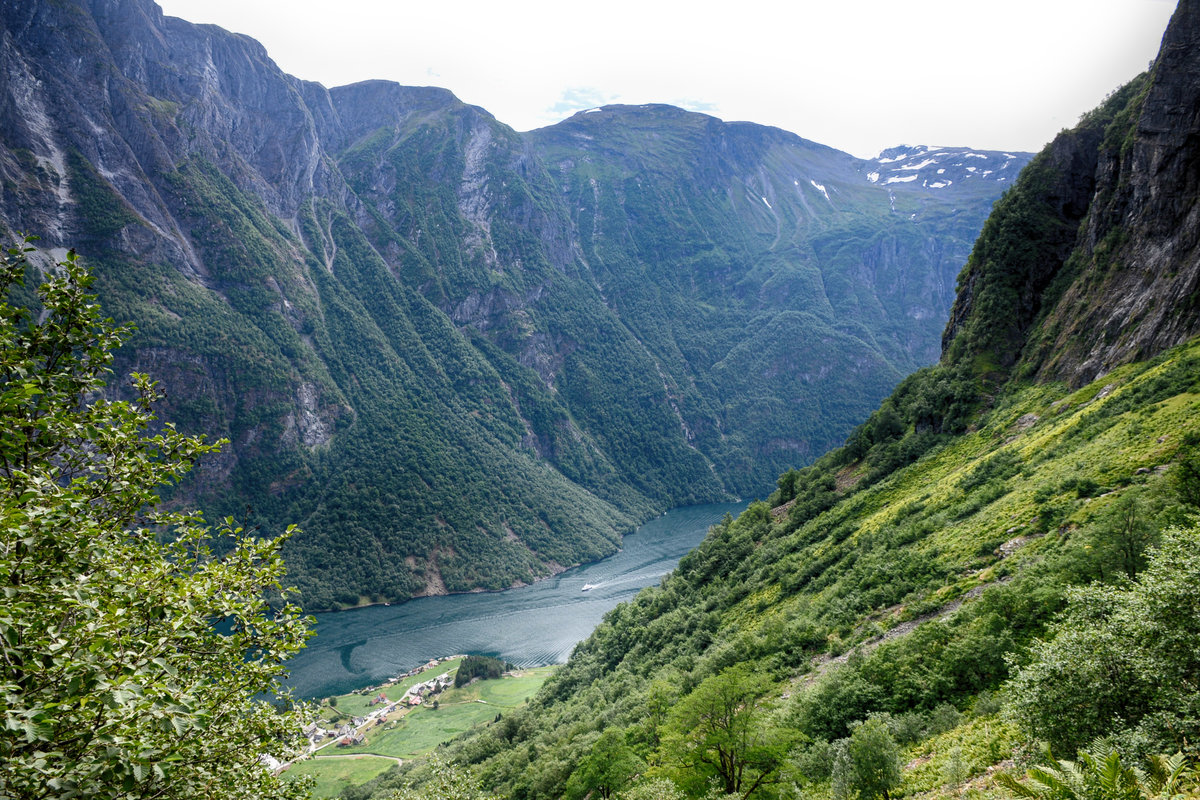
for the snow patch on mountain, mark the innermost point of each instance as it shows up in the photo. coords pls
(939, 168)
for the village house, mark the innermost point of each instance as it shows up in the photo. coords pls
(316, 733)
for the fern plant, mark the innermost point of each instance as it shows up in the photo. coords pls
(1101, 775)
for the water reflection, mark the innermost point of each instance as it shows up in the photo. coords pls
(530, 626)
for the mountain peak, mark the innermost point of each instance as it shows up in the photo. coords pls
(932, 167)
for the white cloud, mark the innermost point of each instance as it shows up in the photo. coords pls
(577, 98)
(1002, 76)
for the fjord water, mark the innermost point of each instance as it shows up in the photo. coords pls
(529, 626)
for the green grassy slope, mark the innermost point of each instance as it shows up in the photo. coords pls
(975, 543)
(893, 589)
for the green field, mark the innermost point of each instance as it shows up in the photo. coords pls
(419, 730)
(507, 693)
(334, 773)
(424, 728)
(356, 704)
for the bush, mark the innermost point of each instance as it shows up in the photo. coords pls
(482, 667)
(1130, 652)
(866, 765)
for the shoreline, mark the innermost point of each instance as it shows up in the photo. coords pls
(352, 652)
(421, 667)
(521, 584)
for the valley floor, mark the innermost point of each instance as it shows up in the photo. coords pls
(407, 732)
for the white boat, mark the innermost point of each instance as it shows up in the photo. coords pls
(587, 587)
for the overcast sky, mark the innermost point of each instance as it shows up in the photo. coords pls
(858, 75)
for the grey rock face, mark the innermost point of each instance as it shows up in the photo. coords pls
(1147, 210)
(1125, 192)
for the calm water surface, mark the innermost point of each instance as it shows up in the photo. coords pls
(530, 626)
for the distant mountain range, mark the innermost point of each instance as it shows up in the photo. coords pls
(458, 356)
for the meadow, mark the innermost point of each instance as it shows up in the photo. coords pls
(416, 732)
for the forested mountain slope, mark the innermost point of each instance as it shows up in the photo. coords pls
(885, 624)
(458, 356)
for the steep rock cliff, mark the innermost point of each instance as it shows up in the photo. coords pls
(1095, 255)
(1139, 291)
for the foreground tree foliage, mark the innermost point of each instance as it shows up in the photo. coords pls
(867, 764)
(723, 734)
(133, 660)
(448, 781)
(1122, 662)
(609, 767)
